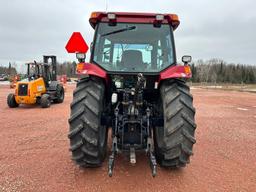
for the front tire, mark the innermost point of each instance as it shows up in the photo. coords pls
(11, 101)
(45, 101)
(88, 139)
(174, 141)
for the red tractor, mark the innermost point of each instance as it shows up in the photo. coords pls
(133, 86)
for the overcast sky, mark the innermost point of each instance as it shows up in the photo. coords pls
(223, 29)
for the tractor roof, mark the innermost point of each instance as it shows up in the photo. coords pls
(125, 17)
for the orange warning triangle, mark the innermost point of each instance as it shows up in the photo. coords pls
(76, 43)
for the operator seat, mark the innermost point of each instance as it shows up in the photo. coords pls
(132, 59)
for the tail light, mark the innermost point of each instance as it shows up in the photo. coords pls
(187, 70)
(79, 67)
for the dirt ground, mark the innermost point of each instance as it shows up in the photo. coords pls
(34, 152)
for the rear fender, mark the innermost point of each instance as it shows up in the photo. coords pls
(91, 70)
(176, 71)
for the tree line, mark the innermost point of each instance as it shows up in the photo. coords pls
(10, 70)
(67, 68)
(210, 71)
(218, 71)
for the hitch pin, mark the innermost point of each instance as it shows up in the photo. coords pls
(132, 156)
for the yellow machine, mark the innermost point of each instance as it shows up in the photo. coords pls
(40, 86)
(14, 81)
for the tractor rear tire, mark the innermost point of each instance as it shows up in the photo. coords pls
(11, 101)
(88, 138)
(174, 142)
(60, 94)
(45, 101)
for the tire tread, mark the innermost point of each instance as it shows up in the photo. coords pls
(174, 145)
(85, 125)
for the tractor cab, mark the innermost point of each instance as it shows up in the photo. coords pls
(126, 44)
(45, 70)
(34, 71)
(134, 47)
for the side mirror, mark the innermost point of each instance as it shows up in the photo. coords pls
(186, 59)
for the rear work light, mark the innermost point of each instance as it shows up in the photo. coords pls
(111, 16)
(159, 17)
(80, 56)
(186, 59)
